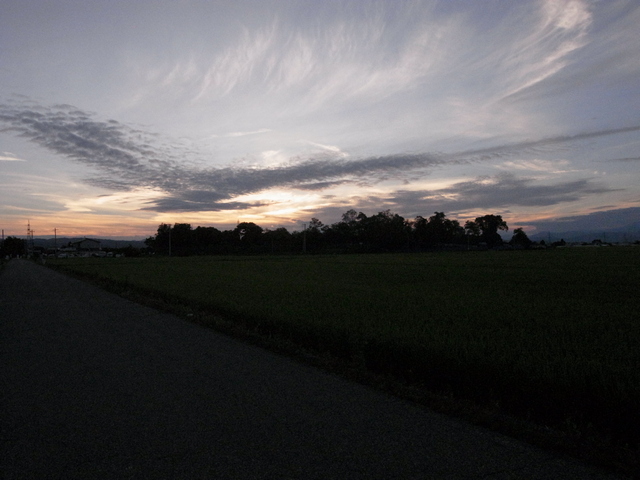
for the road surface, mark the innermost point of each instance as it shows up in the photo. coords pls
(95, 386)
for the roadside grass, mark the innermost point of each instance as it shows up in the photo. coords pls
(549, 336)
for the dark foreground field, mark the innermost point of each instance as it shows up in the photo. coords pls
(550, 336)
(93, 386)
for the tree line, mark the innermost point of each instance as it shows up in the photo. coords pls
(13, 247)
(354, 233)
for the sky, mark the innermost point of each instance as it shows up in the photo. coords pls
(118, 116)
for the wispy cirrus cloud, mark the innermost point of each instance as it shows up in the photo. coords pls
(340, 60)
(349, 53)
(422, 67)
(561, 29)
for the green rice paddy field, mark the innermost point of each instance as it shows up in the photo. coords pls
(551, 335)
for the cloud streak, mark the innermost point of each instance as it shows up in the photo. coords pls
(502, 191)
(10, 157)
(539, 145)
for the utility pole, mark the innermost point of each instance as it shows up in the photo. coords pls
(55, 242)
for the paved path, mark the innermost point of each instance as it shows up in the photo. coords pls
(95, 386)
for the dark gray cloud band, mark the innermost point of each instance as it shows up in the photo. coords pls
(499, 192)
(125, 158)
(508, 150)
(627, 159)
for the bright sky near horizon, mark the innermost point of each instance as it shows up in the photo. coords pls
(117, 116)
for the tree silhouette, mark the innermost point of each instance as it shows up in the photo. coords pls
(207, 240)
(520, 238)
(13, 246)
(472, 228)
(182, 239)
(489, 226)
(443, 230)
(315, 235)
(278, 240)
(347, 234)
(161, 242)
(437, 230)
(385, 231)
(249, 235)
(315, 225)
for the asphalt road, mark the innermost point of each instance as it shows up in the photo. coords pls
(95, 386)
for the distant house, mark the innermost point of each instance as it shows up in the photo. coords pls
(86, 245)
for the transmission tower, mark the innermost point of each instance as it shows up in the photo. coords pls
(29, 239)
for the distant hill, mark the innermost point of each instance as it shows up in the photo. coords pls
(616, 226)
(626, 235)
(104, 242)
